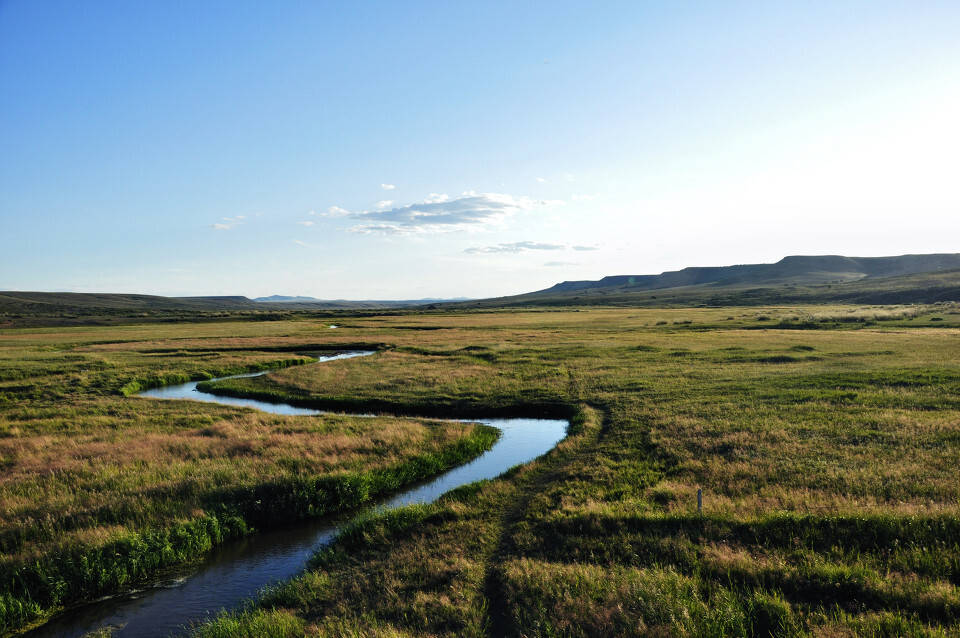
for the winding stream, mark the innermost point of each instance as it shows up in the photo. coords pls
(236, 571)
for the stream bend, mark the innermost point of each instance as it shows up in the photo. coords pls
(237, 570)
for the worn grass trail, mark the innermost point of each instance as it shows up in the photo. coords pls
(584, 431)
(421, 570)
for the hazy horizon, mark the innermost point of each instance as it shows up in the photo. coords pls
(405, 152)
(424, 298)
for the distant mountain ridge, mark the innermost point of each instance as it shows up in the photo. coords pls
(798, 279)
(795, 279)
(283, 299)
(67, 307)
(342, 302)
(793, 269)
(11, 299)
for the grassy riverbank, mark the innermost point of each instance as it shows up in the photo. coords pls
(100, 491)
(825, 440)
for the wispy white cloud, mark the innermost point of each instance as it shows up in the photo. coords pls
(515, 247)
(301, 243)
(440, 214)
(542, 180)
(227, 223)
(307, 223)
(335, 211)
(388, 187)
(524, 246)
(560, 264)
(385, 203)
(435, 198)
(378, 229)
(583, 197)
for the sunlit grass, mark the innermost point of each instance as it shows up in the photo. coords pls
(98, 490)
(825, 440)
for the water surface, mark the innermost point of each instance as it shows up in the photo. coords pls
(237, 570)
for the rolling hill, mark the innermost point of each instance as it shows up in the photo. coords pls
(20, 309)
(792, 280)
(27, 301)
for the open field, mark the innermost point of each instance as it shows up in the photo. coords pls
(100, 491)
(35, 309)
(825, 439)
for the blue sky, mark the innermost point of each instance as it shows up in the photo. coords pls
(406, 150)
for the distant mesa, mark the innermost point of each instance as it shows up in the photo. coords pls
(794, 269)
(795, 279)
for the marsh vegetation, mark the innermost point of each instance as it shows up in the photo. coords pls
(101, 492)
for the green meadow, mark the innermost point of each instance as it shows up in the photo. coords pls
(102, 491)
(825, 440)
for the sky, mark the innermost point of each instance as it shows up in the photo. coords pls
(403, 150)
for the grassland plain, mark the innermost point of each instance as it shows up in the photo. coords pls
(100, 491)
(825, 439)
